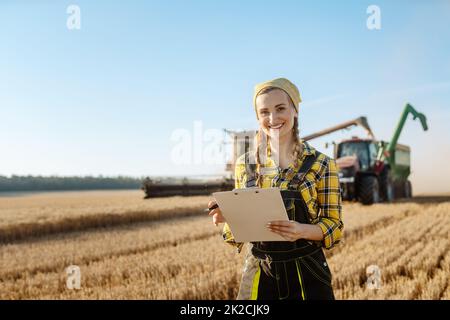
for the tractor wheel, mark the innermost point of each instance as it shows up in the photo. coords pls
(408, 189)
(368, 190)
(387, 189)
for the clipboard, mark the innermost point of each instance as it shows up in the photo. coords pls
(247, 211)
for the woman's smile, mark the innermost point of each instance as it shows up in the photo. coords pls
(276, 126)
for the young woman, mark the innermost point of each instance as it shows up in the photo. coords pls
(295, 268)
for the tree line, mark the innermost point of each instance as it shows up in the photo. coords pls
(52, 183)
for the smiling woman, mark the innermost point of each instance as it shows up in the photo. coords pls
(308, 180)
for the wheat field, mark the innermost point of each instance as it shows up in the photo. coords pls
(167, 248)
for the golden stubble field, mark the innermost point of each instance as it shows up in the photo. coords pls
(167, 248)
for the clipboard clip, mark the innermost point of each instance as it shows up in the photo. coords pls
(235, 193)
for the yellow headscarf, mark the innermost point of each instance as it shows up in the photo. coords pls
(283, 84)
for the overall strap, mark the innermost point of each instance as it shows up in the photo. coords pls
(293, 192)
(304, 169)
(250, 169)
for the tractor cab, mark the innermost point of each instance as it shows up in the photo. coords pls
(360, 152)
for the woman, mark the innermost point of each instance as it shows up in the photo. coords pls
(295, 268)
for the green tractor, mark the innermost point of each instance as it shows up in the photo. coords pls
(371, 171)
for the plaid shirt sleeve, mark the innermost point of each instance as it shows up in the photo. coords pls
(226, 232)
(329, 201)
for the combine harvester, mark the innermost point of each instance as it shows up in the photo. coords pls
(370, 171)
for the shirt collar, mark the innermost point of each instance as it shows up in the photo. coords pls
(307, 149)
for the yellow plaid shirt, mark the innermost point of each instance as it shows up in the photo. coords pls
(320, 190)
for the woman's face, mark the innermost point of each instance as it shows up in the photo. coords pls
(276, 113)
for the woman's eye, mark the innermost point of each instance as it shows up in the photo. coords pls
(281, 109)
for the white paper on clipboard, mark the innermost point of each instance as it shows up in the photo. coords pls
(247, 212)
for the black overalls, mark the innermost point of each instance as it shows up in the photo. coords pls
(283, 269)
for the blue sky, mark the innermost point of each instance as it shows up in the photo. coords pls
(107, 98)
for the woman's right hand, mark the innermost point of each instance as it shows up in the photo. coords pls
(216, 213)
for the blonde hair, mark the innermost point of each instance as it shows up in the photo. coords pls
(261, 141)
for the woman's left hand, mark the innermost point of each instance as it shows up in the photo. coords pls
(290, 230)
